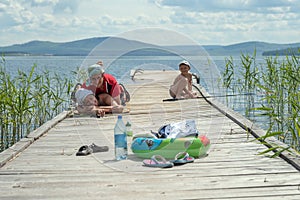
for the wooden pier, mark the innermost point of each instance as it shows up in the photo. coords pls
(44, 165)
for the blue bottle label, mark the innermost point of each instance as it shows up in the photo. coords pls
(120, 141)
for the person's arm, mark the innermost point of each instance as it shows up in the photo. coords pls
(111, 109)
(190, 93)
(85, 109)
(189, 89)
(190, 76)
(116, 91)
(93, 110)
(99, 111)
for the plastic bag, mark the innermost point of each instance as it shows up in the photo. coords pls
(178, 129)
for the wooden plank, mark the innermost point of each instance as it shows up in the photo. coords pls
(17, 148)
(49, 169)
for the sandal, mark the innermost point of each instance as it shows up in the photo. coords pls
(157, 161)
(86, 150)
(182, 158)
(96, 148)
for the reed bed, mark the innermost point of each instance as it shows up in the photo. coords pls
(275, 85)
(28, 100)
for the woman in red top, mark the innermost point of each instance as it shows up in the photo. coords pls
(105, 87)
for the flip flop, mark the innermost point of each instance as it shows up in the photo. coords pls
(96, 148)
(182, 158)
(86, 150)
(157, 161)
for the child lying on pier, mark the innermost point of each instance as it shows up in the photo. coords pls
(88, 104)
(182, 85)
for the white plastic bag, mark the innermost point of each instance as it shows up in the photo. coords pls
(179, 129)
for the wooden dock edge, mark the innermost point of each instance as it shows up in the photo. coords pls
(20, 146)
(292, 157)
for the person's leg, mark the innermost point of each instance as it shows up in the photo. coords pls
(107, 100)
(177, 89)
(172, 94)
(117, 100)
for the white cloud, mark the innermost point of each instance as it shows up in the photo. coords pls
(209, 22)
(181, 17)
(230, 5)
(41, 3)
(66, 6)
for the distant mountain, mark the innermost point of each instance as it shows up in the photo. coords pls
(79, 47)
(283, 52)
(249, 48)
(85, 47)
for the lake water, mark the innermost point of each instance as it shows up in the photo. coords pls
(119, 67)
(209, 69)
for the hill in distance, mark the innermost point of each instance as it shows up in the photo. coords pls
(85, 46)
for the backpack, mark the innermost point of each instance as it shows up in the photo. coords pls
(124, 96)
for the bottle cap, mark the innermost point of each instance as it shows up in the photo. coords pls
(119, 116)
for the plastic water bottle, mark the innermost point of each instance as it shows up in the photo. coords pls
(120, 140)
(128, 129)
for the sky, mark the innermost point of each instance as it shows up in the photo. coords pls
(207, 22)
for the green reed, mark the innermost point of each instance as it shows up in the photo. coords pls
(242, 79)
(248, 79)
(27, 101)
(278, 79)
(228, 74)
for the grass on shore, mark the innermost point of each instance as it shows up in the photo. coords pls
(29, 100)
(278, 79)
